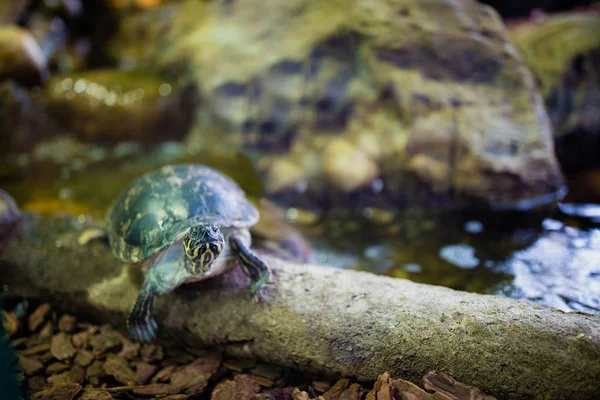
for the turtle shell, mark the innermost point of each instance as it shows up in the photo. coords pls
(159, 208)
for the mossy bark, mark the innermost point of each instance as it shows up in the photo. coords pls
(326, 320)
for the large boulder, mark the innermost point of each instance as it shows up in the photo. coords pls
(370, 103)
(21, 58)
(563, 52)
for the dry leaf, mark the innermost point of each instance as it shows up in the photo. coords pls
(84, 358)
(96, 369)
(299, 395)
(144, 372)
(154, 389)
(446, 385)
(56, 368)
(61, 346)
(104, 341)
(151, 352)
(44, 358)
(117, 367)
(277, 394)
(93, 394)
(177, 397)
(47, 330)
(77, 374)
(80, 339)
(30, 366)
(408, 390)
(38, 316)
(36, 384)
(264, 382)
(344, 390)
(130, 349)
(66, 391)
(240, 388)
(321, 386)
(194, 377)
(66, 323)
(62, 378)
(164, 374)
(11, 322)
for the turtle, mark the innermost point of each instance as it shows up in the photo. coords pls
(182, 223)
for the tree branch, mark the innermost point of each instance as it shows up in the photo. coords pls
(325, 320)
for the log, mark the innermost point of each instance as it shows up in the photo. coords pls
(323, 321)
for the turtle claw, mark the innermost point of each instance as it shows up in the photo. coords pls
(255, 287)
(142, 330)
(140, 323)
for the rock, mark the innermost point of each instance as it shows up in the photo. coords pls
(9, 215)
(21, 57)
(563, 52)
(347, 167)
(429, 114)
(277, 234)
(10, 10)
(132, 44)
(110, 106)
(23, 123)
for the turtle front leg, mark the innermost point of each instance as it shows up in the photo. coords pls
(252, 266)
(140, 323)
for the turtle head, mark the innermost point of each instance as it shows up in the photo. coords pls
(203, 244)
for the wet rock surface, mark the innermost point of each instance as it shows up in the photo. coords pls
(104, 107)
(21, 57)
(563, 52)
(9, 11)
(388, 94)
(10, 215)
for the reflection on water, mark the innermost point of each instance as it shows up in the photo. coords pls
(551, 258)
